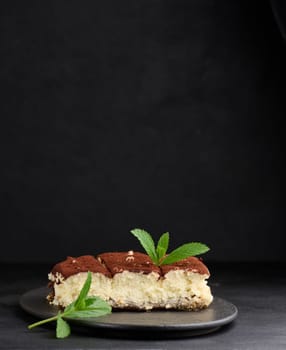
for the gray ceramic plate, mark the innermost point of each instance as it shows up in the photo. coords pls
(154, 324)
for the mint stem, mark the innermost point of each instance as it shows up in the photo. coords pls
(54, 318)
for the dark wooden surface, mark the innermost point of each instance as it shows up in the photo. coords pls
(258, 290)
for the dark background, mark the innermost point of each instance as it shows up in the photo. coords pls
(165, 115)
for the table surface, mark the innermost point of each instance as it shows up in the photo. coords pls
(258, 290)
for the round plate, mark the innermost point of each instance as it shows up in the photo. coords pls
(129, 324)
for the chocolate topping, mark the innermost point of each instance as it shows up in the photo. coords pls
(112, 263)
(190, 264)
(128, 261)
(72, 266)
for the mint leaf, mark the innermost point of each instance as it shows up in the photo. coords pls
(94, 307)
(69, 308)
(80, 301)
(184, 251)
(147, 242)
(162, 246)
(82, 307)
(158, 255)
(97, 303)
(88, 313)
(63, 329)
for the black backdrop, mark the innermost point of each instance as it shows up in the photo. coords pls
(165, 115)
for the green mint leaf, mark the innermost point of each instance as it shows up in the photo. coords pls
(69, 308)
(162, 246)
(94, 307)
(80, 301)
(184, 251)
(97, 303)
(147, 242)
(88, 313)
(83, 307)
(63, 329)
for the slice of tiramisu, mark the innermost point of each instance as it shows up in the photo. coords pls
(130, 280)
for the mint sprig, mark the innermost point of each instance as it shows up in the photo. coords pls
(159, 255)
(147, 242)
(184, 251)
(82, 307)
(162, 246)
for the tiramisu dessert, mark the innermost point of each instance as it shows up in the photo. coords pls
(130, 280)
